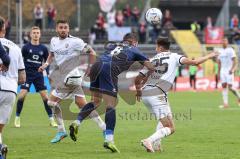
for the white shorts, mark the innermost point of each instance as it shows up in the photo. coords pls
(225, 77)
(69, 94)
(7, 100)
(158, 106)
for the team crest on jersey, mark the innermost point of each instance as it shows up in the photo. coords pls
(30, 50)
(66, 45)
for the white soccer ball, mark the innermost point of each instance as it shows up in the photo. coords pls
(153, 16)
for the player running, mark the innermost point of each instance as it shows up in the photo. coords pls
(9, 80)
(34, 54)
(104, 84)
(153, 89)
(227, 66)
(66, 50)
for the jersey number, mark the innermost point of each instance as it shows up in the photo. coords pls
(116, 51)
(160, 63)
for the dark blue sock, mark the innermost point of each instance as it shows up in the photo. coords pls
(86, 110)
(110, 119)
(48, 109)
(19, 107)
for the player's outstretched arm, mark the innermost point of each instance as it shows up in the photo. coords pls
(234, 65)
(197, 61)
(92, 58)
(140, 80)
(47, 63)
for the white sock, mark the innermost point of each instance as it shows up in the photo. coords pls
(225, 96)
(51, 118)
(0, 138)
(109, 138)
(96, 118)
(159, 126)
(58, 116)
(159, 134)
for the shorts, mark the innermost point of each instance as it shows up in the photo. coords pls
(225, 77)
(7, 100)
(68, 93)
(103, 80)
(157, 105)
(36, 79)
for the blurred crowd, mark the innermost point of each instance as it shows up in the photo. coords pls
(130, 17)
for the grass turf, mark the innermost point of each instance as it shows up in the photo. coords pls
(202, 131)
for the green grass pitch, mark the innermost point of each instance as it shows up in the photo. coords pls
(203, 131)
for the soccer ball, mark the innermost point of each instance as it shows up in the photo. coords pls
(153, 16)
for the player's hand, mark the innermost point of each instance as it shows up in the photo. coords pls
(3, 68)
(231, 72)
(87, 73)
(212, 55)
(41, 69)
(139, 95)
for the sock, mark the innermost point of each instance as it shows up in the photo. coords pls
(159, 126)
(161, 133)
(58, 116)
(110, 120)
(225, 95)
(48, 109)
(235, 92)
(19, 107)
(96, 118)
(86, 110)
(0, 138)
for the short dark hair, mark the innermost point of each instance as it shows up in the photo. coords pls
(2, 22)
(164, 42)
(130, 37)
(64, 21)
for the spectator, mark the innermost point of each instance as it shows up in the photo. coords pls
(142, 32)
(195, 27)
(167, 20)
(236, 36)
(119, 18)
(92, 34)
(100, 26)
(234, 22)
(38, 15)
(209, 23)
(111, 21)
(135, 16)
(26, 37)
(8, 28)
(51, 14)
(127, 14)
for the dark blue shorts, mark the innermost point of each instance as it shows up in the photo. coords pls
(103, 79)
(36, 79)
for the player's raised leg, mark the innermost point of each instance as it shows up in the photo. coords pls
(20, 101)
(87, 109)
(44, 96)
(54, 103)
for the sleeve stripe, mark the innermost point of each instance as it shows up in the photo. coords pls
(142, 74)
(21, 69)
(180, 60)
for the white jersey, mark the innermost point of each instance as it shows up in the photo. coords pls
(166, 65)
(225, 58)
(64, 49)
(9, 79)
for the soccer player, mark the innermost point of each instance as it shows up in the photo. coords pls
(67, 51)
(153, 89)
(104, 79)
(227, 66)
(9, 81)
(34, 54)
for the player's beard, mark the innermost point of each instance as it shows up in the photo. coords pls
(62, 35)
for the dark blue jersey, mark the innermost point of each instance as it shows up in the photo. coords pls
(3, 55)
(122, 57)
(34, 56)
